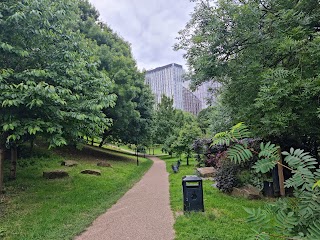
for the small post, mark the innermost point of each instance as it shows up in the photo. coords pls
(1, 170)
(137, 157)
(280, 173)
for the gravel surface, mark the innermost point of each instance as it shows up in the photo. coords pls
(143, 213)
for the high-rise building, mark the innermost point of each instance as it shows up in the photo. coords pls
(167, 80)
(191, 103)
(207, 93)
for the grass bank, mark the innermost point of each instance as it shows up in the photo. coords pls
(37, 208)
(151, 151)
(224, 217)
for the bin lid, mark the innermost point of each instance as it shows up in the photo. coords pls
(191, 178)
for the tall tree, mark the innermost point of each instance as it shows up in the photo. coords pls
(49, 81)
(187, 135)
(266, 54)
(164, 122)
(133, 105)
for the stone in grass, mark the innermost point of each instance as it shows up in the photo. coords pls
(206, 172)
(55, 174)
(103, 164)
(92, 172)
(69, 163)
(250, 192)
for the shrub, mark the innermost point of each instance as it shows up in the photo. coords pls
(201, 147)
(226, 176)
(297, 218)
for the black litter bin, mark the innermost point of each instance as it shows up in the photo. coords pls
(192, 194)
(268, 190)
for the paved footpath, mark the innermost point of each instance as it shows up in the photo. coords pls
(143, 213)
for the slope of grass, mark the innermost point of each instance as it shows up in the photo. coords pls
(151, 151)
(224, 217)
(37, 208)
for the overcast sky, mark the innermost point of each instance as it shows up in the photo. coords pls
(151, 27)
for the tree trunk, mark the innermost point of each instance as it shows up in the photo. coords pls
(187, 160)
(92, 142)
(280, 173)
(102, 142)
(13, 167)
(31, 146)
(1, 170)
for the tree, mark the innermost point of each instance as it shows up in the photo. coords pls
(214, 119)
(187, 135)
(49, 81)
(132, 113)
(140, 129)
(164, 122)
(266, 55)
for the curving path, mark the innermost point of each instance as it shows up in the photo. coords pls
(143, 213)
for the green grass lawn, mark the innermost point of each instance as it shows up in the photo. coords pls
(156, 150)
(37, 208)
(224, 217)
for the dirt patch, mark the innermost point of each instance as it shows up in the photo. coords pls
(215, 211)
(178, 214)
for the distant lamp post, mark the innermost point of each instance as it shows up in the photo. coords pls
(137, 156)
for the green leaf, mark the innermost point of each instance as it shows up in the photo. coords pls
(240, 131)
(264, 165)
(238, 153)
(314, 230)
(317, 184)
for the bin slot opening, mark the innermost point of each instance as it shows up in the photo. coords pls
(192, 184)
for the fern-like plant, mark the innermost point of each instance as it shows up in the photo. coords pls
(238, 150)
(297, 218)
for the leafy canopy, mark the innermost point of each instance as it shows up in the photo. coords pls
(266, 56)
(49, 79)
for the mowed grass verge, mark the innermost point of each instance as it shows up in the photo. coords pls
(224, 217)
(37, 208)
(150, 151)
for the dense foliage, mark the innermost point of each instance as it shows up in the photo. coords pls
(165, 120)
(61, 70)
(226, 176)
(49, 81)
(291, 219)
(175, 129)
(266, 56)
(133, 112)
(64, 75)
(297, 218)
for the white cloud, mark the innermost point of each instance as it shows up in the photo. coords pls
(151, 27)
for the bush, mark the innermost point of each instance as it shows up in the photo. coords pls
(293, 218)
(208, 154)
(141, 149)
(226, 176)
(201, 147)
